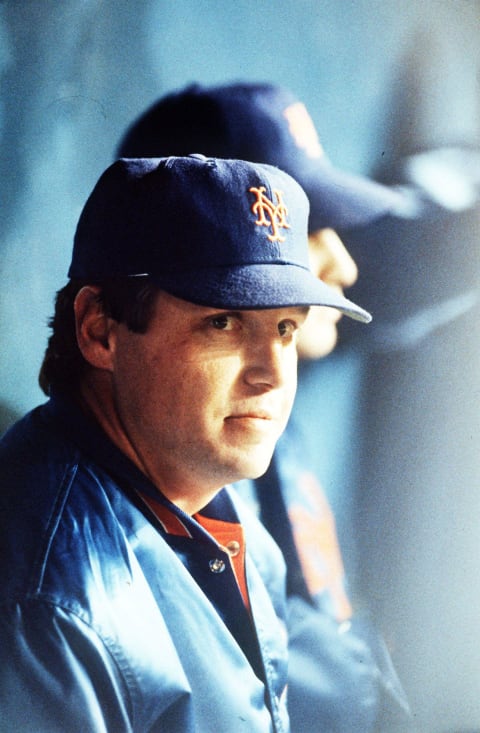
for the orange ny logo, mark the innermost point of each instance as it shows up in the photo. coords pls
(269, 214)
(303, 130)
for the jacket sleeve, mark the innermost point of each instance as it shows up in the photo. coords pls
(340, 676)
(57, 675)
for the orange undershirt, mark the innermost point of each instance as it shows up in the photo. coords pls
(228, 535)
(232, 539)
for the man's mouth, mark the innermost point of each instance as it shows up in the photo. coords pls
(252, 415)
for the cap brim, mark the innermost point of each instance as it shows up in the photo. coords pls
(255, 287)
(340, 200)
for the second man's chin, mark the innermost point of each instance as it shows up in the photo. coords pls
(316, 343)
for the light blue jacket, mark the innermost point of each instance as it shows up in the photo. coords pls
(103, 624)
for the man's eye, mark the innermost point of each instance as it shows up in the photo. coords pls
(287, 328)
(222, 322)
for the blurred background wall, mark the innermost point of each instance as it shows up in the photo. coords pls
(396, 428)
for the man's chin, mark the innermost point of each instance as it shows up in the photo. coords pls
(317, 343)
(254, 468)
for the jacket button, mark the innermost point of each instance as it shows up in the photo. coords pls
(233, 548)
(217, 565)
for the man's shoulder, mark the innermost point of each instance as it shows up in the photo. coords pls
(29, 448)
(34, 463)
(55, 510)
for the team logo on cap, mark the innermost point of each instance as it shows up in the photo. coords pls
(270, 214)
(303, 130)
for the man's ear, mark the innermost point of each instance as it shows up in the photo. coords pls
(94, 329)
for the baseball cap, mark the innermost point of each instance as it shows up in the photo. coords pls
(222, 233)
(263, 123)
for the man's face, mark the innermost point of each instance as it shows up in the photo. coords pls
(202, 397)
(331, 262)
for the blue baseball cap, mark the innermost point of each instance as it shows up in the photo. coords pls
(221, 233)
(263, 123)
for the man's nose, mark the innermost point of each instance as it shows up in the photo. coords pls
(269, 364)
(331, 261)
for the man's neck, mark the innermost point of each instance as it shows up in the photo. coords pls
(95, 399)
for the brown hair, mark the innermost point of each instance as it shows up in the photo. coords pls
(126, 300)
